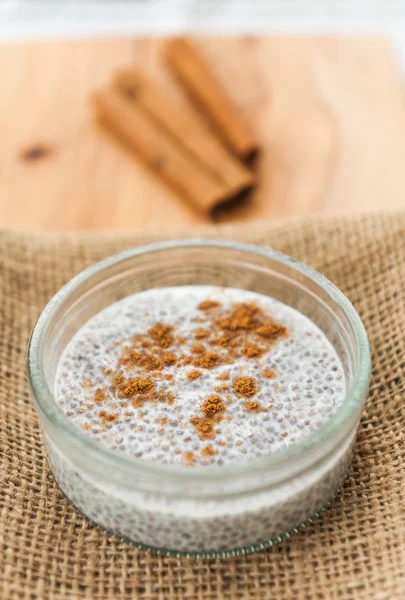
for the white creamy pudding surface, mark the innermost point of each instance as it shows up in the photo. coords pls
(199, 375)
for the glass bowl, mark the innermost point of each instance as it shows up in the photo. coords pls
(201, 511)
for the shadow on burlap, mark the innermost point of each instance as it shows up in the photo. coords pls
(355, 550)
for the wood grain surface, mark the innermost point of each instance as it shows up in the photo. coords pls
(329, 112)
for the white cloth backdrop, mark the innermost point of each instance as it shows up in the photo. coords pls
(30, 19)
(33, 18)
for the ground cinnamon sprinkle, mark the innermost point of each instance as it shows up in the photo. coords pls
(222, 388)
(162, 334)
(146, 361)
(252, 351)
(207, 360)
(99, 395)
(208, 304)
(203, 427)
(250, 317)
(194, 374)
(117, 380)
(272, 331)
(189, 457)
(223, 340)
(138, 402)
(243, 330)
(137, 385)
(201, 334)
(212, 406)
(169, 359)
(107, 417)
(208, 451)
(212, 409)
(141, 340)
(197, 348)
(252, 406)
(224, 377)
(164, 396)
(245, 386)
(242, 316)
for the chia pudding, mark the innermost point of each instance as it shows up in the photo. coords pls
(143, 375)
(200, 377)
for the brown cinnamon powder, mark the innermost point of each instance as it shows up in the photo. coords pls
(169, 359)
(203, 427)
(201, 334)
(207, 360)
(212, 406)
(242, 316)
(107, 417)
(137, 385)
(208, 451)
(208, 305)
(233, 333)
(252, 406)
(212, 409)
(162, 334)
(197, 348)
(245, 386)
(117, 380)
(138, 402)
(253, 351)
(189, 457)
(99, 395)
(164, 396)
(143, 360)
(224, 377)
(222, 388)
(272, 331)
(194, 374)
(224, 340)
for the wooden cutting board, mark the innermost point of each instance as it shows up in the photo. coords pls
(329, 111)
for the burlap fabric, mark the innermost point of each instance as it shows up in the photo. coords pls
(356, 550)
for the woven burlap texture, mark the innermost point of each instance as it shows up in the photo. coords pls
(355, 550)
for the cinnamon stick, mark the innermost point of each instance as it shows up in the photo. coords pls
(166, 159)
(187, 129)
(191, 69)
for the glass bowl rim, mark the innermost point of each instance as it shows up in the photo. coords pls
(353, 401)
